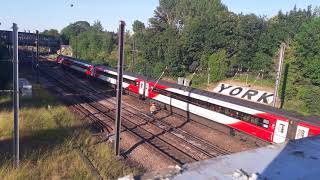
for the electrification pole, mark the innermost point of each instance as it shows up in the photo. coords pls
(119, 87)
(16, 92)
(37, 54)
(133, 52)
(208, 80)
(279, 72)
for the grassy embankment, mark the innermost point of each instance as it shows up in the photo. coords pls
(53, 143)
(201, 80)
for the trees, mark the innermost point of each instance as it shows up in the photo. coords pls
(217, 64)
(90, 42)
(305, 67)
(51, 32)
(179, 34)
(188, 36)
(73, 30)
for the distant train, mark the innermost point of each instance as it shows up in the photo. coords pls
(265, 122)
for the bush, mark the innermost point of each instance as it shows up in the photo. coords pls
(310, 96)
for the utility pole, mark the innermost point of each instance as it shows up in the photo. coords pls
(119, 87)
(32, 61)
(208, 83)
(76, 47)
(37, 54)
(133, 51)
(16, 92)
(279, 72)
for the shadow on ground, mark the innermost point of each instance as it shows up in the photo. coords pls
(37, 143)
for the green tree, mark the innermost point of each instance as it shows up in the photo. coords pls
(304, 80)
(51, 32)
(73, 30)
(217, 64)
(307, 47)
(261, 61)
(138, 26)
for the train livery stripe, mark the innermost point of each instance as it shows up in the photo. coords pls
(112, 80)
(115, 73)
(215, 101)
(305, 130)
(217, 117)
(77, 68)
(78, 62)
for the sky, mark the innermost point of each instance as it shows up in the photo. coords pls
(39, 14)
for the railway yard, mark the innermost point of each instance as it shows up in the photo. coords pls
(152, 141)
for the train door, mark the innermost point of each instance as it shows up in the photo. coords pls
(280, 131)
(143, 88)
(146, 90)
(301, 132)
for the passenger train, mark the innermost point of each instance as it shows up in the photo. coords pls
(264, 122)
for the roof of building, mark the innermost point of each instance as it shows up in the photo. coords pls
(297, 159)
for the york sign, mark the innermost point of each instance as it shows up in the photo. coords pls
(245, 93)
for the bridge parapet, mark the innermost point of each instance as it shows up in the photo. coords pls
(29, 39)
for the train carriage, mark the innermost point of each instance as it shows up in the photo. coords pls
(75, 64)
(265, 122)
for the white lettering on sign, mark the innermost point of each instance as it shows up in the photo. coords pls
(245, 93)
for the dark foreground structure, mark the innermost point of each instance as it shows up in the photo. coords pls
(296, 159)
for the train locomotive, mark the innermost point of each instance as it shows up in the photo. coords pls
(264, 122)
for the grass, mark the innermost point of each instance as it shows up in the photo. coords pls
(266, 82)
(51, 143)
(296, 106)
(200, 81)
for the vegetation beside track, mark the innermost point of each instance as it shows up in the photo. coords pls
(187, 37)
(54, 143)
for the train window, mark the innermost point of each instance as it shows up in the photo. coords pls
(246, 117)
(223, 110)
(129, 81)
(109, 75)
(263, 123)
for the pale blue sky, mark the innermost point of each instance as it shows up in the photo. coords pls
(40, 14)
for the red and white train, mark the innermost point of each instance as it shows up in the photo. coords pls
(265, 122)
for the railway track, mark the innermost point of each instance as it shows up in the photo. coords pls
(210, 149)
(128, 110)
(163, 138)
(193, 140)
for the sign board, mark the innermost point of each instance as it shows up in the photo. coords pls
(245, 93)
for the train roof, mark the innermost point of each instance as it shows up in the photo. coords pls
(79, 60)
